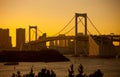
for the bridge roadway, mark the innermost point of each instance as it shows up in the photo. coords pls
(46, 39)
(114, 37)
(81, 38)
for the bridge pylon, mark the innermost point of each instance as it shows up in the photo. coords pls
(84, 15)
(32, 27)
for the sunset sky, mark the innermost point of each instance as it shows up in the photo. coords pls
(52, 15)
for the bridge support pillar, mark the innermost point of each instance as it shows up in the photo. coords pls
(56, 43)
(52, 44)
(76, 27)
(32, 27)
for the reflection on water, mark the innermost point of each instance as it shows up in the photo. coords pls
(110, 67)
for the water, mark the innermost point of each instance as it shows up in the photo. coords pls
(110, 67)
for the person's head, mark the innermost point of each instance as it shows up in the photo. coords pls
(18, 72)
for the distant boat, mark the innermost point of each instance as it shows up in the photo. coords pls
(11, 63)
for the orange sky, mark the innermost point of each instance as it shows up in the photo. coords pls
(52, 15)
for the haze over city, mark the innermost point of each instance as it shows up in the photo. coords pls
(52, 15)
(59, 38)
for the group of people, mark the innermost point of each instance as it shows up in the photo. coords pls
(47, 73)
(81, 73)
(43, 73)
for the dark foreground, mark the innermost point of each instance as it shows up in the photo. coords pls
(109, 67)
(50, 73)
(47, 55)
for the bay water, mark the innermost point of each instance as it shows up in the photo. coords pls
(109, 67)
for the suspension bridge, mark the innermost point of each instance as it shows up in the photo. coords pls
(79, 43)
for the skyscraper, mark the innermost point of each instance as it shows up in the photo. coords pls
(20, 37)
(5, 39)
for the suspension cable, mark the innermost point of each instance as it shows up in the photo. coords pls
(72, 27)
(65, 26)
(69, 30)
(94, 26)
(80, 20)
(40, 31)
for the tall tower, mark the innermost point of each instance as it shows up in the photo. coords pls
(84, 15)
(20, 37)
(5, 39)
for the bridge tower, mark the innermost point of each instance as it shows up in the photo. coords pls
(32, 27)
(84, 15)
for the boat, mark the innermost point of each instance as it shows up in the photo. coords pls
(11, 63)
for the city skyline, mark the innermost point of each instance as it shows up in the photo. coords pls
(51, 16)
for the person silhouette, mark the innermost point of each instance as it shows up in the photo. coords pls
(71, 71)
(80, 69)
(53, 74)
(13, 75)
(31, 73)
(18, 74)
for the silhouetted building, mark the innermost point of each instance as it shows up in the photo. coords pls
(20, 37)
(5, 39)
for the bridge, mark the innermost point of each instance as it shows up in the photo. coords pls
(79, 43)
